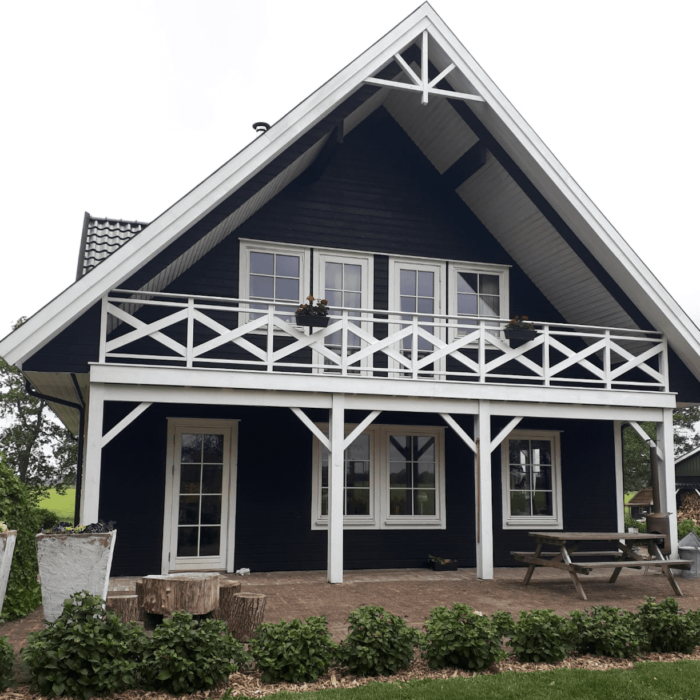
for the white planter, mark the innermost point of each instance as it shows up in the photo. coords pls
(72, 563)
(7, 549)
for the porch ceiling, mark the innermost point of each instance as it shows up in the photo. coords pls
(61, 386)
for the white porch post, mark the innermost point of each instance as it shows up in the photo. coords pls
(335, 490)
(90, 497)
(482, 476)
(619, 476)
(667, 466)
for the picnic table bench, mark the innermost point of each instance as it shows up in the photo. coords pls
(569, 543)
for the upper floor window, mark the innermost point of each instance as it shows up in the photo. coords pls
(478, 289)
(531, 480)
(273, 273)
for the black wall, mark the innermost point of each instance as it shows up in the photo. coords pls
(273, 517)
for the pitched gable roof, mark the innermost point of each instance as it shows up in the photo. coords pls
(590, 250)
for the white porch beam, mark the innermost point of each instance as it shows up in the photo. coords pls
(312, 427)
(643, 434)
(570, 402)
(92, 469)
(512, 424)
(367, 420)
(124, 422)
(460, 431)
(335, 490)
(484, 509)
(619, 476)
(664, 436)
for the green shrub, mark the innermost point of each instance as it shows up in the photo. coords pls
(18, 508)
(686, 527)
(666, 629)
(606, 631)
(542, 636)
(7, 663)
(87, 651)
(379, 643)
(463, 638)
(48, 518)
(296, 651)
(186, 655)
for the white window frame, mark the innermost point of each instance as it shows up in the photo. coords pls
(528, 522)
(201, 425)
(396, 264)
(248, 246)
(503, 273)
(366, 262)
(380, 518)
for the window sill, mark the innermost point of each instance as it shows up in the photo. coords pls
(533, 524)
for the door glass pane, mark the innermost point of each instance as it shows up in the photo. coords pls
(213, 448)
(212, 475)
(408, 283)
(211, 510)
(288, 266)
(262, 263)
(426, 283)
(187, 541)
(467, 283)
(334, 275)
(287, 289)
(353, 278)
(190, 478)
(191, 450)
(210, 542)
(189, 510)
(488, 284)
(262, 287)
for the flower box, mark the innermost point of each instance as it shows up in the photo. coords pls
(312, 321)
(445, 565)
(69, 563)
(519, 334)
(7, 550)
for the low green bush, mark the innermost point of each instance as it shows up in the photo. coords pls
(542, 636)
(462, 638)
(606, 631)
(18, 508)
(7, 663)
(666, 629)
(87, 651)
(48, 518)
(187, 655)
(378, 644)
(686, 527)
(296, 651)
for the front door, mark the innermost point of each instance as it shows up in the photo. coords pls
(201, 493)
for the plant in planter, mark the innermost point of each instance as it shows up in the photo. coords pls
(441, 564)
(74, 559)
(314, 313)
(520, 328)
(7, 549)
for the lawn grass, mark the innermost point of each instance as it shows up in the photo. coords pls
(63, 506)
(646, 681)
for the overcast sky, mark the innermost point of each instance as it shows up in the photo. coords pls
(120, 108)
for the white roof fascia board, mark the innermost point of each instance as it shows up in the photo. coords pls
(597, 234)
(67, 306)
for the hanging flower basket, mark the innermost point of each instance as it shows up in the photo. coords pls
(312, 321)
(519, 334)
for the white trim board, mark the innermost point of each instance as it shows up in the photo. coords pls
(497, 114)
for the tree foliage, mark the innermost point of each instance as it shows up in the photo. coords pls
(37, 447)
(636, 466)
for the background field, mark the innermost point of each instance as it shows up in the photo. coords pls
(63, 506)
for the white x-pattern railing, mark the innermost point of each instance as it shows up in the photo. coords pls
(242, 334)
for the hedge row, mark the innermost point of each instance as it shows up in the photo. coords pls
(89, 651)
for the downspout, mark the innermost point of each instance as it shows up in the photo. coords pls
(81, 435)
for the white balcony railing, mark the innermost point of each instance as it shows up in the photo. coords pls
(240, 335)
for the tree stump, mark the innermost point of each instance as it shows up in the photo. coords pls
(227, 590)
(196, 593)
(247, 612)
(126, 606)
(150, 622)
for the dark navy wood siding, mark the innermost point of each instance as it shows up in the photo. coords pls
(273, 518)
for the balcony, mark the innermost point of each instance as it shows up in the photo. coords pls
(240, 335)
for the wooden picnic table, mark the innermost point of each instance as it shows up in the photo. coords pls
(568, 544)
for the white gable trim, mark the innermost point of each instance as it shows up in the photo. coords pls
(497, 114)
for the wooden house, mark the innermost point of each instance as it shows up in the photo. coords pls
(407, 191)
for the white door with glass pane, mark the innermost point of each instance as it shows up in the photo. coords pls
(417, 288)
(345, 281)
(201, 499)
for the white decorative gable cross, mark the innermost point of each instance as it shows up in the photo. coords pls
(422, 84)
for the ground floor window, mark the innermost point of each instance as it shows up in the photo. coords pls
(393, 478)
(531, 480)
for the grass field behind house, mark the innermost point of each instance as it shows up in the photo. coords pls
(63, 506)
(646, 681)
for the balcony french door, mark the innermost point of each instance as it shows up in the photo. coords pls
(201, 496)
